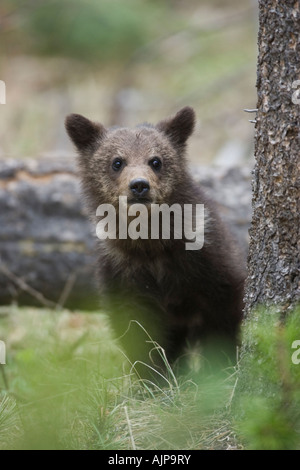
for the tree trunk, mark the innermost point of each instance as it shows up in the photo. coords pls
(273, 263)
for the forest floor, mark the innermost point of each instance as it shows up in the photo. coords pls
(66, 385)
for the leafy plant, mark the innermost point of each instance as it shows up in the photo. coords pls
(267, 396)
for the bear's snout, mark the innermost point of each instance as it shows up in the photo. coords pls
(139, 187)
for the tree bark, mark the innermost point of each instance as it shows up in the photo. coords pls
(273, 262)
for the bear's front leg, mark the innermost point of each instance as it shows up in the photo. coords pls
(139, 324)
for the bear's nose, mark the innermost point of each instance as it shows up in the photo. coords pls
(139, 187)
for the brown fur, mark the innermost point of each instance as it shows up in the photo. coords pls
(178, 296)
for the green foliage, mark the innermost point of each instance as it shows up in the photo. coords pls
(57, 365)
(9, 421)
(67, 390)
(92, 30)
(267, 397)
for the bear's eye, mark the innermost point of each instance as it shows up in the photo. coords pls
(155, 163)
(117, 164)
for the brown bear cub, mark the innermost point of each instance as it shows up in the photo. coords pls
(157, 291)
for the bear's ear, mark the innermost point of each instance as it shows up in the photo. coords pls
(180, 127)
(85, 134)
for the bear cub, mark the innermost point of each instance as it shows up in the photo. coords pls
(161, 297)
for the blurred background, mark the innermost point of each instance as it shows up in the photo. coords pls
(126, 62)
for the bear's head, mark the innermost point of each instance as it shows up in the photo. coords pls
(146, 164)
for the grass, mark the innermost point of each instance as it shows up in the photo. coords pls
(268, 405)
(67, 387)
